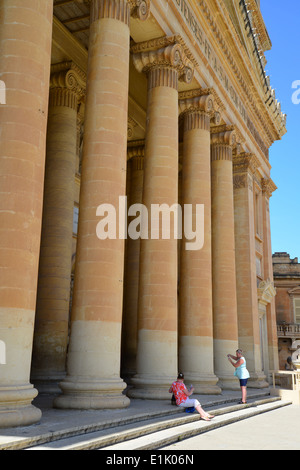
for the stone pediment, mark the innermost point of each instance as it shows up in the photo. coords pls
(266, 291)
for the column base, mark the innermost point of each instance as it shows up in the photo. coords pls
(150, 388)
(227, 382)
(48, 385)
(204, 384)
(258, 380)
(95, 395)
(15, 407)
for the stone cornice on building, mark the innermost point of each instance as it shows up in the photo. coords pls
(245, 163)
(268, 186)
(254, 91)
(269, 121)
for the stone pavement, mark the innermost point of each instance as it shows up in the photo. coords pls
(278, 430)
(56, 423)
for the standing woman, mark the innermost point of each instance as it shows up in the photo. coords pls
(241, 372)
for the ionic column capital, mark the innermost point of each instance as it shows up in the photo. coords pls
(113, 9)
(223, 135)
(223, 139)
(67, 85)
(136, 150)
(196, 109)
(165, 60)
(119, 9)
(140, 9)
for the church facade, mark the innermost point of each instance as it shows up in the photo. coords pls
(111, 109)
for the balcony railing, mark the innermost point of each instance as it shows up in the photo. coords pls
(286, 379)
(289, 330)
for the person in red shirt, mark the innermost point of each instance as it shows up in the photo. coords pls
(182, 395)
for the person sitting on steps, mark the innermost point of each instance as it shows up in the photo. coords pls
(182, 397)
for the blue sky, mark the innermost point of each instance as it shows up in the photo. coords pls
(282, 20)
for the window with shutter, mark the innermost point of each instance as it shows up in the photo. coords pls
(297, 310)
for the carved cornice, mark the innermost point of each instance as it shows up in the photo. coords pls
(160, 58)
(245, 163)
(67, 85)
(268, 186)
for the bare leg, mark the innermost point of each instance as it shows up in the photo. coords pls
(244, 394)
(203, 414)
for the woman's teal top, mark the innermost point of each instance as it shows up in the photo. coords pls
(242, 372)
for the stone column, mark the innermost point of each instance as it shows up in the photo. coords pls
(157, 322)
(195, 291)
(244, 168)
(93, 379)
(130, 316)
(52, 312)
(268, 187)
(223, 248)
(25, 45)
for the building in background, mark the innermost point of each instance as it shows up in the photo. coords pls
(165, 101)
(287, 283)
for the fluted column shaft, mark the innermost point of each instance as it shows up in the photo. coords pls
(52, 312)
(93, 379)
(25, 45)
(157, 320)
(223, 266)
(195, 290)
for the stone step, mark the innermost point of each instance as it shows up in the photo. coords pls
(54, 431)
(159, 430)
(166, 437)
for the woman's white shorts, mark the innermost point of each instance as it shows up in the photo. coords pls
(189, 402)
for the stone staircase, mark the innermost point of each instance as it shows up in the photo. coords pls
(150, 431)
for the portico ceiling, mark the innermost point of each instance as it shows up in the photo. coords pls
(75, 16)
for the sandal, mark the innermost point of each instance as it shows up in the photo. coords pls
(242, 403)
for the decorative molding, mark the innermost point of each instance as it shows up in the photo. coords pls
(245, 163)
(266, 292)
(268, 187)
(131, 125)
